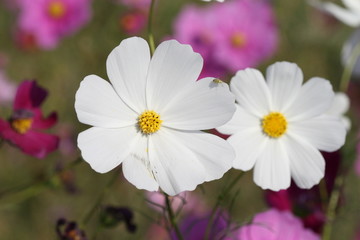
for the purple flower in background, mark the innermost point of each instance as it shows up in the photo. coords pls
(230, 36)
(48, 21)
(276, 225)
(23, 129)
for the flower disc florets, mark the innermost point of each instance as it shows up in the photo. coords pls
(274, 124)
(149, 122)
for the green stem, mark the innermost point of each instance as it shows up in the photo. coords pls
(219, 200)
(172, 217)
(331, 210)
(19, 194)
(346, 76)
(100, 198)
(150, 34)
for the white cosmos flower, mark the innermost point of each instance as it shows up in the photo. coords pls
(349, 15)
(280, 125)
(149, 118)
(339, 108)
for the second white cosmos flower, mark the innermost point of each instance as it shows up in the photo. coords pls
(280, 125)
(149, 118)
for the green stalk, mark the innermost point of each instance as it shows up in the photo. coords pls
(150, 21)
(346, 76)
(171, 216)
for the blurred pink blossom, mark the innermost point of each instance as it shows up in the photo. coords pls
(7, 89)
(48, 21)
(276, 225)
(133, 22)
(186, 202)
(230, 36)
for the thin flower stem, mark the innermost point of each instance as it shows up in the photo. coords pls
(150, 21)
(219, 201)
(331, 210)
(346, 76)
(19, 194)
(172, 218)
(100, 199)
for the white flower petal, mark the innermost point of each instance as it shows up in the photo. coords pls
(97, 104)
(272, 170)
(127, 67)
(251, 91)
(172, 67)
(240, 121)
(248, 145)
(340, 105)
(175, 167)
(353, 5)
(348, 17)
(284, 80)
(136, 167)
(306, 163)
(314, 99)
(214, 153)
(203, 105)
(326, 133)
(104, 149)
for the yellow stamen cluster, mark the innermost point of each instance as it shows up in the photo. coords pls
(274, 124)
(149, 122)
(21, 125)
(238, 40)
(56, 9)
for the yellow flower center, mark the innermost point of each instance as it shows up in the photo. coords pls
(149, 122)
(56, 9)
(274, 125)
(21, 125)
(238, 40)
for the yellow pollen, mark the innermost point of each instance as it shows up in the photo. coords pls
(149, 122)
(21, 125)
(56, 9)
(238, 40)
(274, 125)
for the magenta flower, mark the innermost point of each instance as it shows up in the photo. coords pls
(276, 225)
(133, 22)
(48, 21)
(23, 129)
(230, 36)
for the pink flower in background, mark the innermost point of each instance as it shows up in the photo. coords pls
(276, 225)
(7, 89)
(48, 21)
(186, 202)
(24, 127)
(133, 22)
(230, 36)
(139, 4)
(246, 33)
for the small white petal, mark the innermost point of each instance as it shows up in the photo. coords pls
(97, 104)
(172, 67)
(272, 170)
(326, 133)
(203, 105)
(349, 17)
(248, 145)
(314, 99)
(354, 5)
(306, 163)
(127, 67)
(104, 149)
(136, 167)
(284, 80)
(340, 104)
(214, 153)
(251, 91)
(241, 120)
(175, 167)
